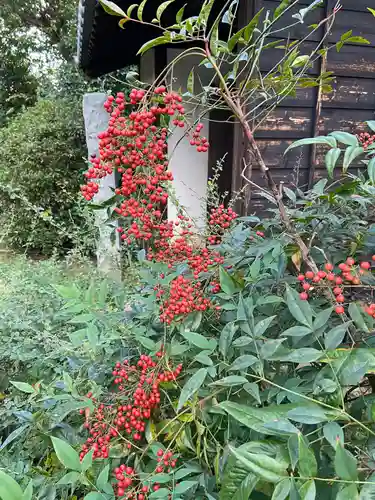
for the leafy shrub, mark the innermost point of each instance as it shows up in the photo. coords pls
(40, 169)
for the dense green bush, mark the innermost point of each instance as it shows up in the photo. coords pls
(41, 165)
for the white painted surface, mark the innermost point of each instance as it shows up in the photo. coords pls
(189, 168)
(96, 121)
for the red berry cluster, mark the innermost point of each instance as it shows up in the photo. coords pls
(366, 139)
(138, 395)
(135, 145)
(201, 143)
(220, 218)
(184, 298)
(345, 275)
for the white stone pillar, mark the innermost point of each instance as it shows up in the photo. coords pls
(189, 168)
(96, 121)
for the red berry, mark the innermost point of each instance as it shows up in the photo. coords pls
(339, 310)
(303, 296)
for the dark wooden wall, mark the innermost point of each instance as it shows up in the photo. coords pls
(350, 104)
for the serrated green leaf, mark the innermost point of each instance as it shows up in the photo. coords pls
(191, 387)
(66, 454)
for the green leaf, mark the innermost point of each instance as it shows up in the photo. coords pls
(24, 387)
(232, 42)
(237, 483)
(93, 336)
(371, 170)
(322, 318)
(162, 493)
(200, 341)
(308, 490)
(331, 159)
(131, 8)
(271, 349)
(226, 282)
(371, 125)
(358, 39)
(297, 331)
(308, 415)
(351, 153)
(94, 495)
(348, 493)
(87, 461)
(333, 433)
(356, 314)
(249, 29)
(334, 337)
(214, 38)
(191, 387)
(300, 309)
(284, 4)
(329, 141)
(307, 464)
(230, 381)
(66, 454)
(28, 493)
(180, 14)
(304, 355)
(147, 343)
(140, 10)
(162, 8)
(243, 362)
(281, 491)
(203, 358)
(70, 478)
(345, 138)
(9, 489)
(261, 465)
(161, 40)
(345, 463)
(14, 435)
(190, 82)
(103, 478)
(261, 327)
(371, 10)
(183, 487)
(253, 389)
(226, 338)
(112, 8)
(368, 490)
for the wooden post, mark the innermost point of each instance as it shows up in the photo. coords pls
(96, 121)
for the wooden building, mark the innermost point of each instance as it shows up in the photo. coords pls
(104, 47)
